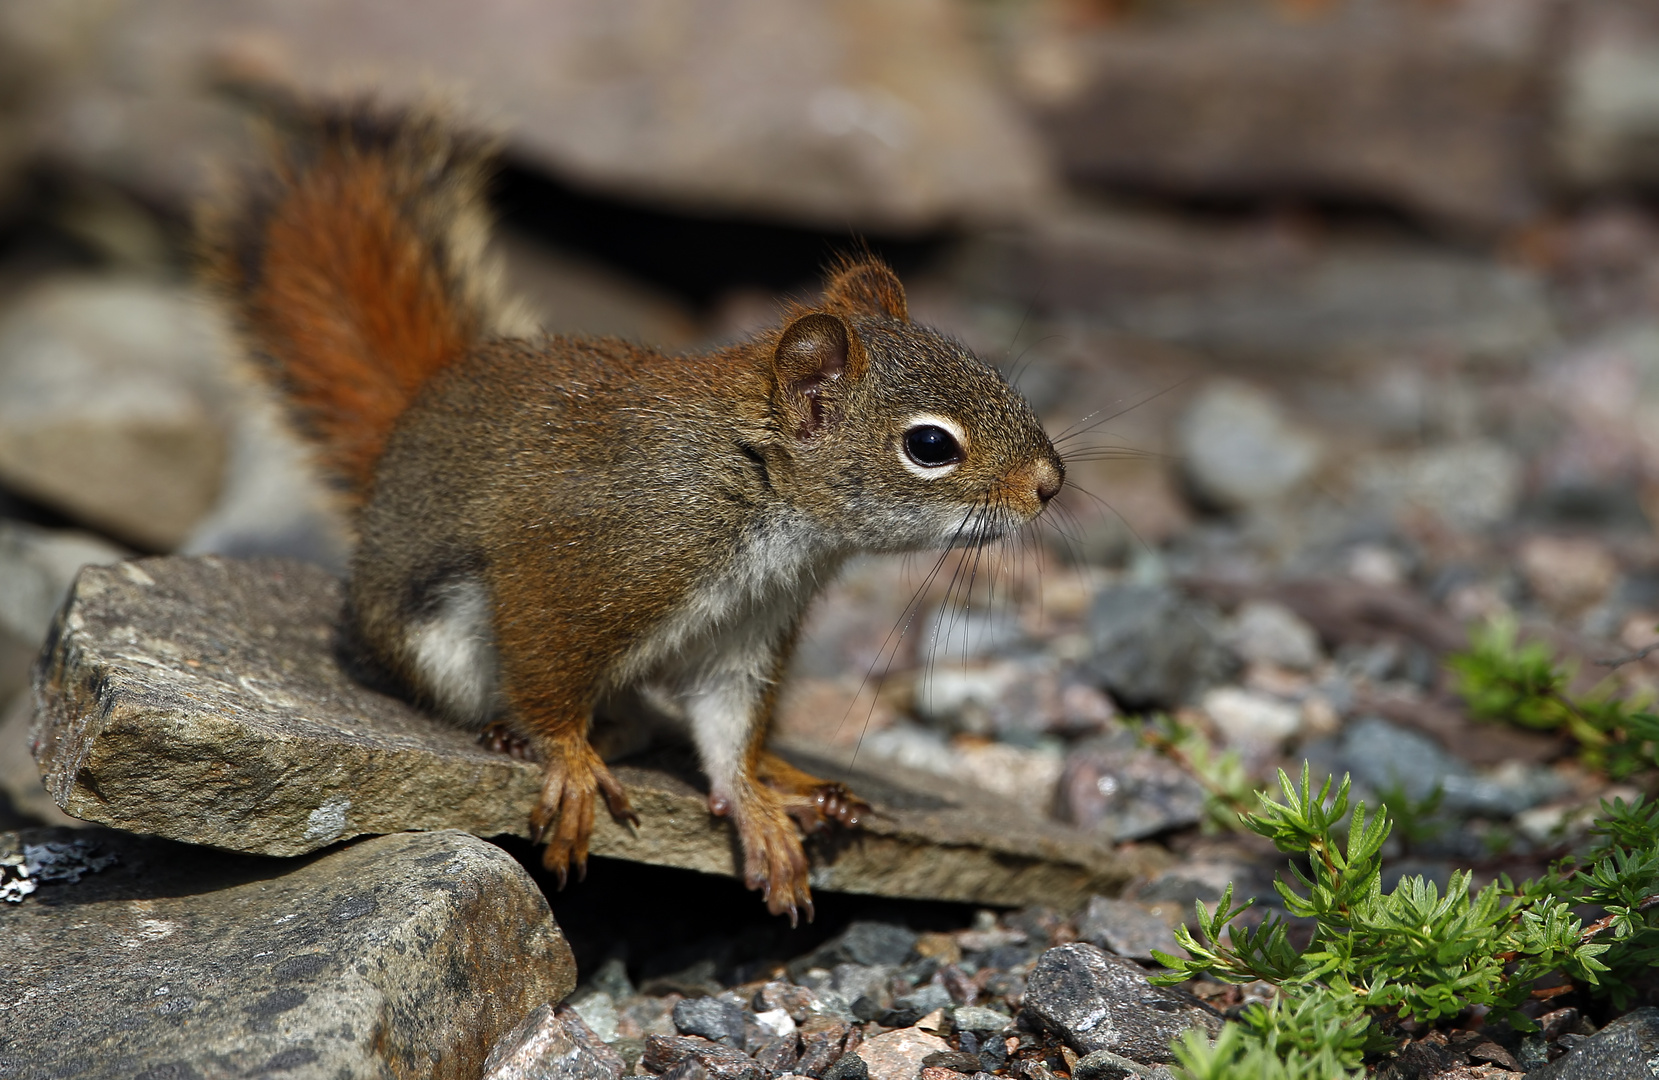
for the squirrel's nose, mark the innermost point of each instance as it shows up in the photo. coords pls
(1048, 478)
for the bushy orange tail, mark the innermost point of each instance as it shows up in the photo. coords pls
(355, 266)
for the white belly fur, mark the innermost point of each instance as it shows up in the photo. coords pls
(716, 655)
(453, 652)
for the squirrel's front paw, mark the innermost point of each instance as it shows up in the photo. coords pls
(773, 860)
(563, 819)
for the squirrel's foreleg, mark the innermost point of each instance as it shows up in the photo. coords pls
(563, 818)
(770, 802)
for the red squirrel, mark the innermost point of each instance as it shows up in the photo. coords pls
(545, 523)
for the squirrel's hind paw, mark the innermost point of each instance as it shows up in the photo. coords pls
(829, 803)
(504, 740)
(813, 803)
(563, 819)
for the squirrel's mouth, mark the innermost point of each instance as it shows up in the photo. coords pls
(986, 523)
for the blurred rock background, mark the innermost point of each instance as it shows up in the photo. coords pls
(1345, 312)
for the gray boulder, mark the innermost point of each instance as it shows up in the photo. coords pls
(397, 956)
(844, 116)
(37, 566)
(273, 500)
(1251, 291)
(21, 794)
(109, 406)
(1607, 123)
(1426, 108)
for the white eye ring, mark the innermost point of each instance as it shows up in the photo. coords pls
(932, 472)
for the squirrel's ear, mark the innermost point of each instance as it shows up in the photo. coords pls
(866, 287)
(817, 355)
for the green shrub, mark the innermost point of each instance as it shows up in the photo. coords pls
(1415, 952)
(1503, 679)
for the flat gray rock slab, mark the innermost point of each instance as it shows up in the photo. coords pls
(204, 699)
(397, 956)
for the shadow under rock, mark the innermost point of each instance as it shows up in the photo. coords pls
(700, 258)
(680, 928)
(149, 868)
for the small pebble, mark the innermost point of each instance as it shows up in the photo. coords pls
(981, 1020)
(712, 1018)
(954, 1060)
(1105, 1065)
(848, 1067)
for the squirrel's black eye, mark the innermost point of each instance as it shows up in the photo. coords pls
(931, 446)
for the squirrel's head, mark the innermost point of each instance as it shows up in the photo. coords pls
(896, 434)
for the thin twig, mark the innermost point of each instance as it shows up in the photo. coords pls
(1621, 661)
(1608, 920)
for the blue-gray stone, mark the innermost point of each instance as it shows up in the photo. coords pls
(1384, 757)
(713, 1018)
(1154, 647)
(1100, 1002)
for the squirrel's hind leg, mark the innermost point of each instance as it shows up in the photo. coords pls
(554, 709)
(563, 818)
(499, 736)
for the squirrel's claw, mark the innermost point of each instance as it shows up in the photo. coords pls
(814, 803)
(616, 799)
(835, 803)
